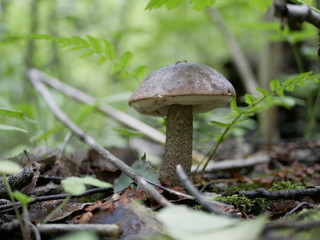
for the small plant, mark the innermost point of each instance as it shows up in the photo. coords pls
(75, 186)
(103, 49)
(286, 186)
(267, 98)
(243, 203)
(11, 113)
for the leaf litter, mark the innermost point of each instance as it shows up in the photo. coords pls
(292, 166)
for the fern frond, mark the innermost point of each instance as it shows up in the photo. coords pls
(91, 46)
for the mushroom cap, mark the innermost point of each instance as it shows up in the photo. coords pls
(182, 83)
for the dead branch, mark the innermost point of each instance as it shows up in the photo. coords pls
(9, 206)
(17, 181)
(106, 230)
(59, 114)
(238, 163)
(208, 206)
(281, 194)
(122, 117)
(299, 13)
(249, 80)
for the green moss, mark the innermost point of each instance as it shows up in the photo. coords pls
(243, 203)
(285, 186)
(90, 198)
(197, 207)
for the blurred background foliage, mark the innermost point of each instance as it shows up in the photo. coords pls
(146, 40)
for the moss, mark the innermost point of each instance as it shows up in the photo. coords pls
(285, 186)
(197, 207)
(254, 206)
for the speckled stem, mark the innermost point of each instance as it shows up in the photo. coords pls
(178, 146)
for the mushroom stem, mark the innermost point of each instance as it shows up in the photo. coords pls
(178, 146)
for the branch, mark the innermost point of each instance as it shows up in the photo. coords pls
(299, 13)
(240, 61)
(9, 206)
(59, 114)
(106, 230)
(211, 207)
(17, 181)
(282, 194)
(122, 117)
(228, 164)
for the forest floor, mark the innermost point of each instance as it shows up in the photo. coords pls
(284, 188)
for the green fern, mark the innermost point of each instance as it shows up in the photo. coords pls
(89, 46)
(268, 98)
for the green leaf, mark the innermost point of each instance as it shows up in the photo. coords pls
(274, 84)
(76, 185)
(11, 128)
(78, 41)
(125, 59)
(139, 71)
(8, 167)
(109, 50)
(201, 4)
(307, 2)
(143, 168)
(263, 92)
(154, 4)
(220, 124)
(173, 4)
(10, 113)
(95, 44)
(234, 106)
(182, 223)
(24, 199)
(249, 99)
(128, 132)
(261, 5)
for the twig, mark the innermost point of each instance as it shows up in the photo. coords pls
(172, 191)
(9, 206)
(240, 61)
(237, 163)
(6, 183)
(208, 206)
(106, 230)
(300, 13)
(64, 144)
(17, 181)
(296, 208)
(35, 231)
(122, 117)
(281, 194)
(48, 99)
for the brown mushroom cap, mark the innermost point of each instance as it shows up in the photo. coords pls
(185, 84)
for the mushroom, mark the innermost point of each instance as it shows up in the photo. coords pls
(177, 91)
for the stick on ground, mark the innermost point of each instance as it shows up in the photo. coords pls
(208, 206)
(59, 114)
